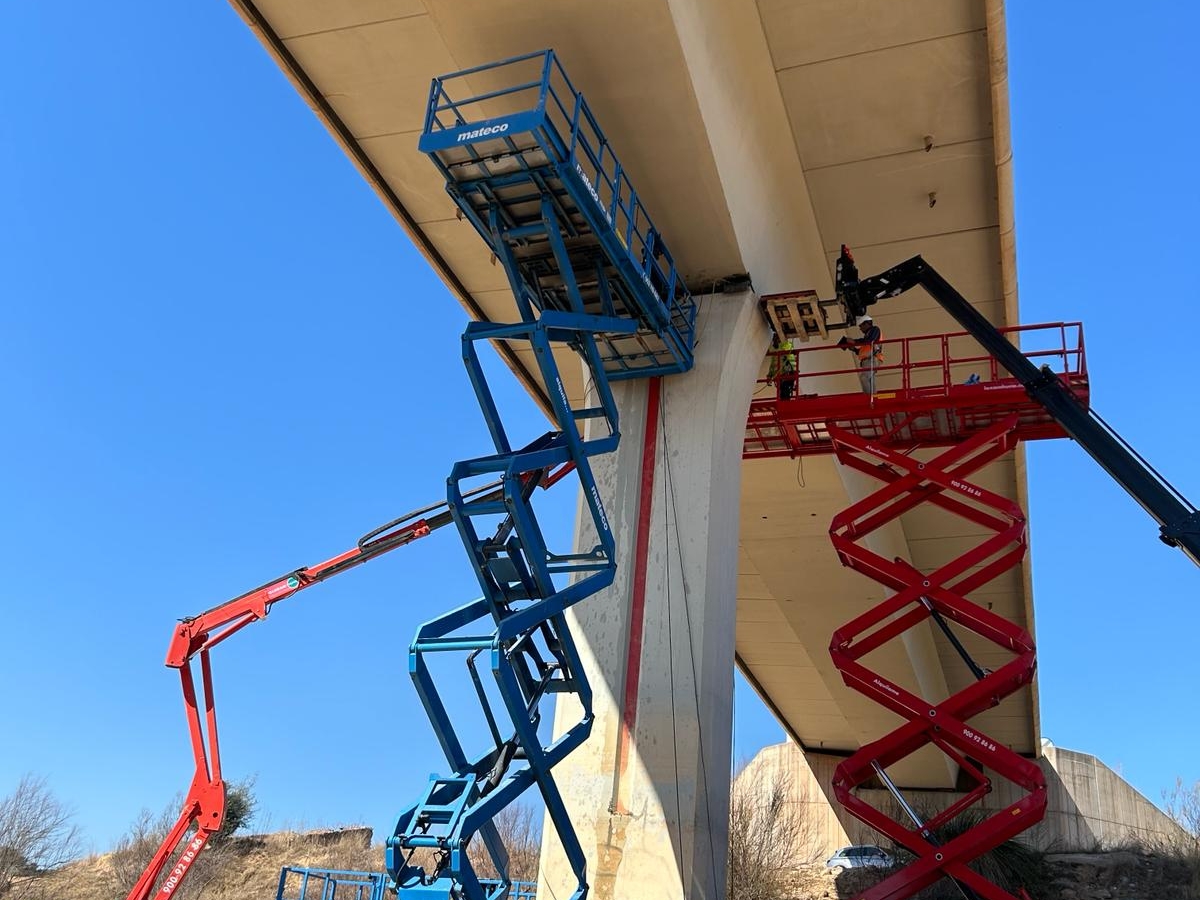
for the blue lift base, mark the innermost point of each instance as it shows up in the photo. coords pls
(300, 883)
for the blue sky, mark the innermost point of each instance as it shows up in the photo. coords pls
(221, 359)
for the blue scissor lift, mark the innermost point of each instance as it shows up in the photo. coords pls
(527, 164)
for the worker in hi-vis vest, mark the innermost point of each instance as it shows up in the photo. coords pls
(783, 367)
(868, 349)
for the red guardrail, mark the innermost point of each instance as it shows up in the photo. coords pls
(930, 364)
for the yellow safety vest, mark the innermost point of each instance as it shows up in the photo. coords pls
(784, 364)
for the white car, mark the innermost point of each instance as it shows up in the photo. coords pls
(860, 857)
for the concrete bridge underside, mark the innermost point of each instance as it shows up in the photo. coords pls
(761, 134)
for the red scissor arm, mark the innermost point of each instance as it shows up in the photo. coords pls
(204, 807)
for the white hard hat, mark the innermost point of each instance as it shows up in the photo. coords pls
(864, 318)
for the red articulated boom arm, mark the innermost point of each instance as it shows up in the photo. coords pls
(204, 807)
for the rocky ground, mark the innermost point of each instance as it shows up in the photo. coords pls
(1119, 875)
(248, 869)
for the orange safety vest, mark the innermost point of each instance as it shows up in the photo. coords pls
(867, 350)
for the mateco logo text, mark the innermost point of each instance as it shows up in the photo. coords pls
(482, 132)
(587, 183)
(649, 284)
(562, 394)
(600, 508)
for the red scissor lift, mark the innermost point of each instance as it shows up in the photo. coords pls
(941, 393)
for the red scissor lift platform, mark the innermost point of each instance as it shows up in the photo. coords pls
(922, 396)
(938, 393)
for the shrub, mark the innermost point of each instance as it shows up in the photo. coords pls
(36, 835)
(769, 835)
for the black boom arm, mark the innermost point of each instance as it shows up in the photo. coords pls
(1178, 520)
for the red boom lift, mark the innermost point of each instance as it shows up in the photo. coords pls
(204, 806)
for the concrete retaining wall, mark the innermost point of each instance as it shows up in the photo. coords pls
(1089, 806)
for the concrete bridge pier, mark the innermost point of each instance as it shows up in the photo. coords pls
(649, 792)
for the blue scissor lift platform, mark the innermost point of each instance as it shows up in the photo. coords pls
(527, 164)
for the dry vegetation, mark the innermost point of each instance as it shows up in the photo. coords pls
(521, 836)
(772, 855)
(37, 839)
(36, 835)
(1183, 805)
(241, 868)
(769, 836)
